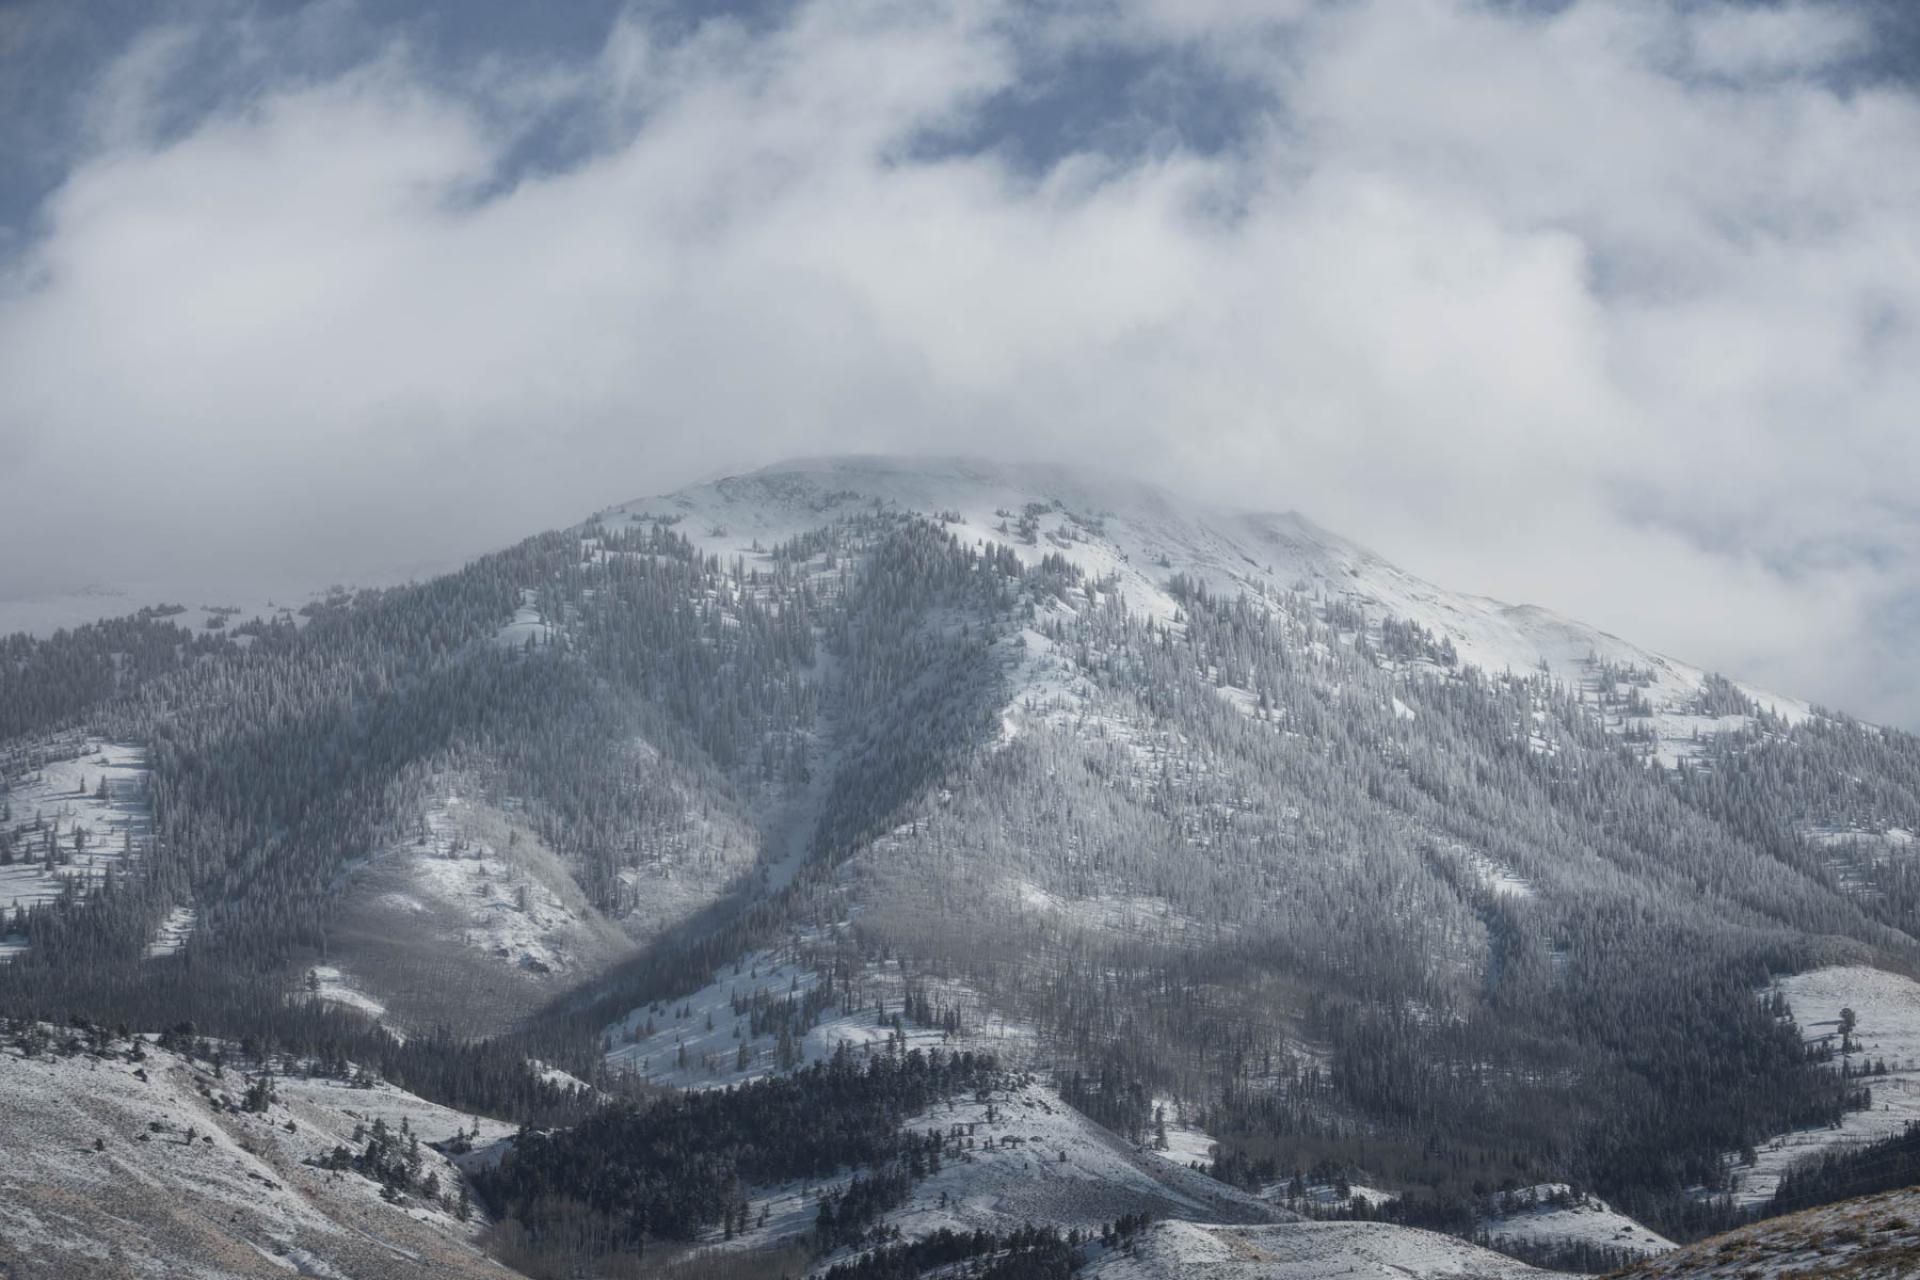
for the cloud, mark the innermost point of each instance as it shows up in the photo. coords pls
(1608, 308)
(1776, 40)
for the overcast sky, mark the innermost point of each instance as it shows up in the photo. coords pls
(1608, 306)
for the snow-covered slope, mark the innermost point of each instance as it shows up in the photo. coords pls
(709, 1040)
(1027, 1158)
(1035, 1158)
(1130, 538)
(470, 905)
(75, 812)
(1872, 1238)
(510, 897)
(70, 814)
(116, 1168)
(1305, 1251)
(1129, 543)
(1553, 1216)
(1886, 1009)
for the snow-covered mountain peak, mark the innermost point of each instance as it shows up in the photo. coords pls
(1132, 538)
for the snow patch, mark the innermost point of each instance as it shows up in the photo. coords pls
(1304, 1251)
(1032, 1158)
(327, 983)
(529, 627)
(1892, 837)
(1186, 1144)
(173, 932)
(1326, 1195)
(1502, 882)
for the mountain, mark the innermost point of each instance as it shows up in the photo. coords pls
(1209, 830)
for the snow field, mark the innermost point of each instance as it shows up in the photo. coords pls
(1891, 838)
(1887, 1007)
(1013, 1171)
(1134, 913)
(1498, 879)
(1043, 685)
(173, 932)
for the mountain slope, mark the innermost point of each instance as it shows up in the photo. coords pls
(1133, 795)
(125, 1162)
(1378, 884)
(1872, 1238)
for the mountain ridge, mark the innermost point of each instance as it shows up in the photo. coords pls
(1217, 544)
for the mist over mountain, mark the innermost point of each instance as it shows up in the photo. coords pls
(1605, 306)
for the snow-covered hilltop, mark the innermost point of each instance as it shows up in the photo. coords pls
(1131, 538)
